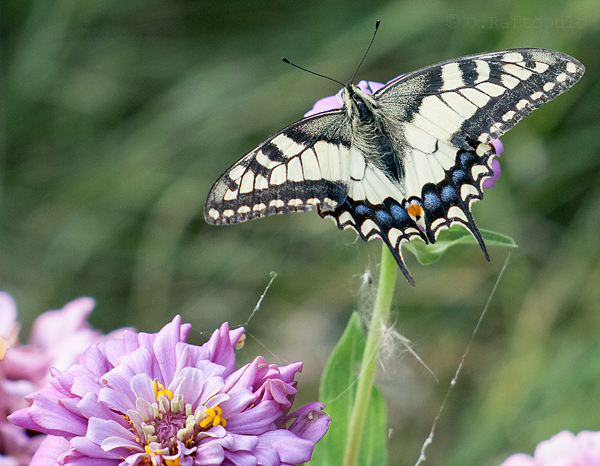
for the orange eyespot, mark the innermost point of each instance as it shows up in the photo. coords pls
(415, 210)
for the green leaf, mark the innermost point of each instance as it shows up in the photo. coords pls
(337, 391)
(428, 253)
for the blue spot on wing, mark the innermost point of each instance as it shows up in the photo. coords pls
(362, 210)
(459, 176)
(431, 201)
(467, 159)
(399, 214)
(448, 194)
(383, 217)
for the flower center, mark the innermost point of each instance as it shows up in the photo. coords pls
(168, 428)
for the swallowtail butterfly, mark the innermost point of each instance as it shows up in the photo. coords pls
(404, 162)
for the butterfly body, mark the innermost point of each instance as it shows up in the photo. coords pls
(371, 137)
(403, 162)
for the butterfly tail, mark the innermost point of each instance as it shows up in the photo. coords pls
(472, 226)
(397, 253)
(449, 202)
(438, 211)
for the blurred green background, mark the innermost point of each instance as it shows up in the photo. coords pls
(117, 117)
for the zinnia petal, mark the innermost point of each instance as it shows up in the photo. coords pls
(289, 448)
(311, 422)
(50, 449)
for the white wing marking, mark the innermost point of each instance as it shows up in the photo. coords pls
(438, 113)
(310, 166)
(451, 77)
(483, 71)
(231, 195)
(263, 160)
(247, 184)
(478, 98)
(491, 89)
(288, 147)
(237, 172)
(260, 182)
(294, 170)
(465, 108)
(278, 175)
(368, 226)
(512, 57)
(357, 164)
(419, 139)
(466, 190)
(456, 212)
(522, 73)
(509, 81)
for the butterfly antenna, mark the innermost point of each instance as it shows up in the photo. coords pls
(285, 60)
(366, 51)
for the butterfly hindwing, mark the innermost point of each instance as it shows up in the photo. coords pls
(403, 163)
(439, 206)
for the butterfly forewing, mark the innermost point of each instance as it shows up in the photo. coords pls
(478, 97)
(304, 166)
(410, 162)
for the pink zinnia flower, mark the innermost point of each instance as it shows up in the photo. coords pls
(564, 449)
(334, 102)
(155, 399)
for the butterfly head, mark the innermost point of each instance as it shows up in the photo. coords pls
(358, 104)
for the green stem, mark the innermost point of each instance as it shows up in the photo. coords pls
(385, 291)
